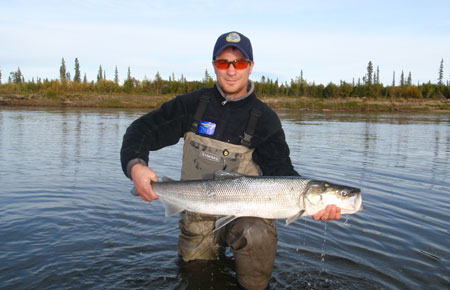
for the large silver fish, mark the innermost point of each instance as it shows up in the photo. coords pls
(232, 195)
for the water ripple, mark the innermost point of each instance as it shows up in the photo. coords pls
(67, 220)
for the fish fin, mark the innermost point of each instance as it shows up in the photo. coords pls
(221, 174)
(167, 179)
(223, 221)
(295, 217)
(171, 209)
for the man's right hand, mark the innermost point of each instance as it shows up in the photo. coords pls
(142, 177)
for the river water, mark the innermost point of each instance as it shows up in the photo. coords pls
(68, 221)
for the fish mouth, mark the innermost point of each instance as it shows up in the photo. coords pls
(354, 200)
(358, 202)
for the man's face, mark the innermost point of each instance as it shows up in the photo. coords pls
(233, 81)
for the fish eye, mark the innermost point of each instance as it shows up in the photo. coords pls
(344, 193)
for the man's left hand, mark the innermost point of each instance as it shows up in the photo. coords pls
(331, 212)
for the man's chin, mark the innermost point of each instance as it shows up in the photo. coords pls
(231, 89)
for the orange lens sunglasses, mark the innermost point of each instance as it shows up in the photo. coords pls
(237, 63)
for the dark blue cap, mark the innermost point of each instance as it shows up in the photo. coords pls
(235, 39)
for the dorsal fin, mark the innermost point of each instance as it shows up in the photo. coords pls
(222, 174)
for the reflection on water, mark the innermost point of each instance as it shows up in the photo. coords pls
(401, 162)
(67, 219)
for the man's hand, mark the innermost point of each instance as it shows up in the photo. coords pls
(331, 212)
(142, 176)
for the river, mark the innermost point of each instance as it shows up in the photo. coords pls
(68, 221)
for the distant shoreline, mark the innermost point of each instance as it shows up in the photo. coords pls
(297, 103)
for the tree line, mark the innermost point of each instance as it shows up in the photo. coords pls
(368, 86)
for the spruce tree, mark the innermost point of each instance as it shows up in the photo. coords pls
(377, 80)
(77, 76)
(409, 82)
(393, 79)
(20, 77)
(158, 77)
(441, 73)
(129, 74)
(369, 73)
(116, 76)
(402, 79)
(16, 77)
(62, 70)
(100, 74)
(207, 77)
(0, 75)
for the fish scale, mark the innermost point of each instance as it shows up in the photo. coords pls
(233, 195)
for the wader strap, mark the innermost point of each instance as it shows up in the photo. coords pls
(251, 126)
(204, 100)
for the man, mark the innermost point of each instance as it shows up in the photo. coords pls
(224, 128)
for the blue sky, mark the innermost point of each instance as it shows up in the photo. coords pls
(328, 40)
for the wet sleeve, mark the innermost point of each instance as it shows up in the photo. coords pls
(272, 156)
(155, 130)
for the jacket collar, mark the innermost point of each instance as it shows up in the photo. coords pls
(250, 89)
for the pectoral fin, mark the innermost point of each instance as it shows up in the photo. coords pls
(223, 221)
(295, 217)
(171, 208)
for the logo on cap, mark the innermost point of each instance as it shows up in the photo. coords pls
(233, 37)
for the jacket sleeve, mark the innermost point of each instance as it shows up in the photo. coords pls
(155, 130)
(272, 156)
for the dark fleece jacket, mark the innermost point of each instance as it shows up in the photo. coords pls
(166, 125)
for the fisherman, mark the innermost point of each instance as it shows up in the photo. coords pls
(224, 128)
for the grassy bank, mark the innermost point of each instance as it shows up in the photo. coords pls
(361, 104)
(297, 103)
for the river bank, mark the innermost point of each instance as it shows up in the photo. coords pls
(297, 103)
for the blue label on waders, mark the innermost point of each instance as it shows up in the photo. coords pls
(207, 128)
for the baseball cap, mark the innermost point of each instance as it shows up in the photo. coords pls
(235, 39)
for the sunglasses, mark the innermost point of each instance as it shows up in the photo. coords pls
(237, 63)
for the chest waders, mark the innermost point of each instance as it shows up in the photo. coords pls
(252, 240)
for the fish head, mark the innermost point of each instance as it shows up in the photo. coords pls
(319, 194)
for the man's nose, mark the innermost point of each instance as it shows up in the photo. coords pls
(231, 70)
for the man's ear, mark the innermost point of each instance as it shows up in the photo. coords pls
(251, 67)
(214, 67)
